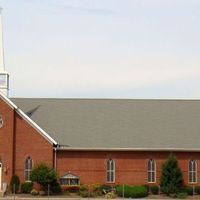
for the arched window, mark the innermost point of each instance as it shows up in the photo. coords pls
(151, 171)
(192, 171)
(28, 168)
(110, 171)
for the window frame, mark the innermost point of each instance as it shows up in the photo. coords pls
(27, 170)
(109, 170)
(1, 121)
(192, 172)
(69, 180)
(152, 162)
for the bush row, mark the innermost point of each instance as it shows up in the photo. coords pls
(95, 190)
(131, 191)
(189, 190)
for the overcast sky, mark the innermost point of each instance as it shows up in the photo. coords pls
(103, 48)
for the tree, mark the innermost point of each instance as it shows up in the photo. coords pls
(172, 177)
(14, 184)
(43, 175)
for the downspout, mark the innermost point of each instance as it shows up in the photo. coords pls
(14, 143)
(55, 157)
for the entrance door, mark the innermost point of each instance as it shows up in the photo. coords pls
(0, 176)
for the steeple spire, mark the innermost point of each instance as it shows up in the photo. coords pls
(2, 68)
(4, 76)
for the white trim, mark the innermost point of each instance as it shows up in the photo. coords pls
(192, 171)
(1, 175)
(27, 169)
(35, 126)
(110, 170)
(55, 159)
(151, 171)
(27, 119)
(65, 148)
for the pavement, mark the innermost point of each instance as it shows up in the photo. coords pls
(51, 198)
(69, 198)
(62, 198)
(28, 197)
(44, 198)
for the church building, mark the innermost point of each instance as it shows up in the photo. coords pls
(105, 141)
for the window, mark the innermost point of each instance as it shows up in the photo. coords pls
(192, 171)
(110, 171)
(151, 171)
(69, 179)
(28, 168)
(1, 121)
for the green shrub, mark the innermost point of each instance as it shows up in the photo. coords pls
(96, 190)
(132, 191)
(93, 190)
(189, 190)
(26, 187)
(182, 195)
(84, 188)
(43, 175)
(147, 186)
(34, 192)
(172, 177)
(197, 189)
(55, 188)
(154, 189)
(14, 184)
(84, 193)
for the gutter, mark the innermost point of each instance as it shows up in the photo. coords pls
(64, 148)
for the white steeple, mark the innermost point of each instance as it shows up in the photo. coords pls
(4, 76)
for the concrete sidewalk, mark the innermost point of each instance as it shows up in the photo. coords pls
(63, 198)
(69, 198)
(51, 197)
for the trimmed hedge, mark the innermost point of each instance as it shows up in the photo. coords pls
(26, 187)
(132, 191)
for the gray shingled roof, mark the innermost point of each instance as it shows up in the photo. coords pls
(113, 123)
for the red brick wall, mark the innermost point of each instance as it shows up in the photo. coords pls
(27, 142)
(131, 167)
(6, 140)
(30, 143)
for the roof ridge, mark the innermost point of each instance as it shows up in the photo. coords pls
(109, 99)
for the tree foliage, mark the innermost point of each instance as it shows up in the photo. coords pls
(43, 175)
(14, 184)
(172, 177)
